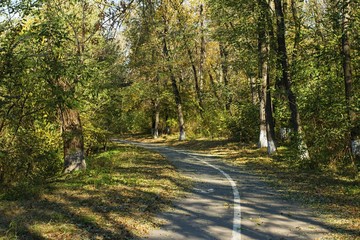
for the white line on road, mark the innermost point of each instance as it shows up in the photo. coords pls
(236, 233)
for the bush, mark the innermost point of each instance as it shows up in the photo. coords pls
(30, 155)
(244, 124)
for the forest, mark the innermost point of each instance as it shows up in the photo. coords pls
(273, 73)
(272, 85)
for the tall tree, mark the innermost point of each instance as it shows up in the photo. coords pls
(286, 78)
(171, 73)
(267, 133)
(348, 75)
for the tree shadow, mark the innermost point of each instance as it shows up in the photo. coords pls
(253, 187)
(115, 202)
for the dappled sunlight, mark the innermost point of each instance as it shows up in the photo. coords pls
(117, 200)
(335, 198)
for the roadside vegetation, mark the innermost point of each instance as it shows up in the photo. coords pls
(335, 197)
(116, 198)
(280, 74)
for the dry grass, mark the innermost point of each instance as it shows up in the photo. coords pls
(336, 198)
(116, 198)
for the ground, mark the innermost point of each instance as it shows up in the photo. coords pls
(125, 188)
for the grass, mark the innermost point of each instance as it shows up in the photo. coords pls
(116, 198)
(335, 198)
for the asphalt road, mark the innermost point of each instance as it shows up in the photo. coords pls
(229, 203)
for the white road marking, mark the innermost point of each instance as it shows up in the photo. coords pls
(236, 233)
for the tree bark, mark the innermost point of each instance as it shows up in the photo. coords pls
(297, 24)
(202, 48)
(263, 142)
(270, 124)
(286, 80)
(156, 119)
(72, 134)
(175, 89)
(348, 79)
(263, 68)
(254, 90)
(267, 133)
(196, 80)
(225, 73)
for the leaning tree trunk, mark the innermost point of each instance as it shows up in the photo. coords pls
(72, 134)
(286, 80)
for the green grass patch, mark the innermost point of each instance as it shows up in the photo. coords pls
(116, 198)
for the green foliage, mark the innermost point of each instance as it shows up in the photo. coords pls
(52, 55)
(57, 54)
(243, 125)
(32, 155)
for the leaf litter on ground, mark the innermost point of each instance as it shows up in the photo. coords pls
(118, 197)
(335, 198)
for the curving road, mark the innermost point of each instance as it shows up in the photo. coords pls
(229, 203)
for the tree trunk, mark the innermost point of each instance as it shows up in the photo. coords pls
(286, 80)
(262, 71)
(167, 127)
(175, 89)
(263, 142)
(297, 24)
(270, 124)
(156, 118)
(254, 90)
(196, 80)
(213, 87)
(348, 80)
(267, 133)
(225, 70)
(202, 48)
(72, 134)
(181, 121)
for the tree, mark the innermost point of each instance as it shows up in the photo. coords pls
(267, 133)
(352, 134)
(285, 81)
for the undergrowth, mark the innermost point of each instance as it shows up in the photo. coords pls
(117, 197)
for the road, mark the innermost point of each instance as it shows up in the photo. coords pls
(229, 203)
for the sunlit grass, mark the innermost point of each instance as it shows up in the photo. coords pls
(116, 198)
(336, 198)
